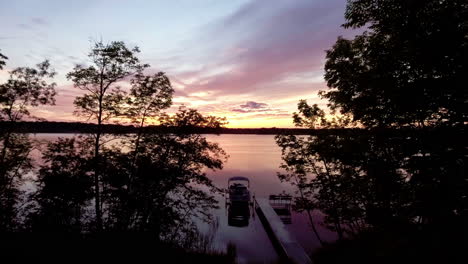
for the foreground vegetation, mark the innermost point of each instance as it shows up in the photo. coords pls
(398, 191)
(137, 193)
(393, 190)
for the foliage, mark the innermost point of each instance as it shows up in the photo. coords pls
(399, 182)
(111, 63)
(186, 120)
(366, 180)
(148, 96)
(375, 180)
(409, 66)
(25, 88)
(159, 193)
(64, 186)
(2, 61)
(165, 187)
(314, 117)
(15, 163)
(104, 99)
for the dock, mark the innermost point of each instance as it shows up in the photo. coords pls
(285, 244)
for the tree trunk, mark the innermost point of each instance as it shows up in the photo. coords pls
(311, 220)
(97, 195)
(6, 143)
(309, 214)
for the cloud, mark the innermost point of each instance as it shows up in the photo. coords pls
(265, 43)
(39, 21)
(251, 106)
(34, 23)
(271, 53)
(254, 105)
(255, 62)
(256, 110)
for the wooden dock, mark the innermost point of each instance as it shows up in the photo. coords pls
(286, 245)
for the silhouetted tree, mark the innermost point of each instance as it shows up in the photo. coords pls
(313, 165)
(164, 192)
(25, 88)
(366, 180)
(149, 95)
(3, 58)
(188, 120)
(14, 165)
(408, 67)
(64, 186)
(103, 100)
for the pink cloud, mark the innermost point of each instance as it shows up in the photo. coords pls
(250, 55)
(281, 38)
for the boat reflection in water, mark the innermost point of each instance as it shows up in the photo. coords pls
(238, 215)
(238, 201)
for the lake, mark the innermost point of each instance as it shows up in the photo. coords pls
(258, 158)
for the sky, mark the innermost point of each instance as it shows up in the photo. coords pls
(248, 61)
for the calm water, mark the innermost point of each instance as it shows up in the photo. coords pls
(258, 158)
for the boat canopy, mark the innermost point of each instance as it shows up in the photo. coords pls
(238, 178)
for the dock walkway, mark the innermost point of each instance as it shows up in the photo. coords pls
(286, 245)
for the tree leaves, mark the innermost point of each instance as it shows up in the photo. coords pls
(149, 95)
(2, 60)
(408, 69)
(26, 88)
(111, 63)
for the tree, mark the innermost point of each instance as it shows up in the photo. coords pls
(26, 88)
(407, 69)
(103, 100)
(14, 165)
(409, 66)
(64, 186)
(188, 120)
(379, 187)
(350, 176)
(148, 96)
(311, 166)
(2, 60)
(312, 117)
(160, 192)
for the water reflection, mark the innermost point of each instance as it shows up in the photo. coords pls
(380, 182)
(238, 214)
(258, 157)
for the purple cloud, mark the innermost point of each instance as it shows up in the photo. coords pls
(251, 106)
(254, 105)
(260, 110)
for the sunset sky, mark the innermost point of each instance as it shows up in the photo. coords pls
(250, 61)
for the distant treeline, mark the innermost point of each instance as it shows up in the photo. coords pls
(77, 127)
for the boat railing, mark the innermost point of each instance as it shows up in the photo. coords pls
(281, 201)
